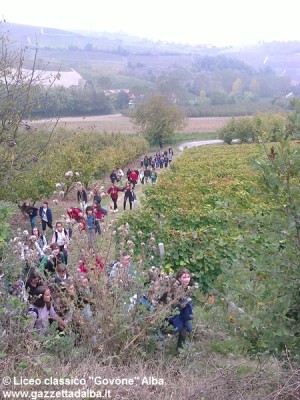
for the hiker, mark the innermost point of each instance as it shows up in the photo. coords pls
(113, 177)
(122, 272)
(61, 237)
(147, 173)
(153, 175)
(113, 192)
(49, 262)
(90, 226)
(120, 174)
(178, 295)
(40, 241)
(98, 217)
(41, 310)
(46, 216)
(133, 178)
(128, 195)
(81, 197)
(31, 211)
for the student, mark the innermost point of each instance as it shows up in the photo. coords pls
(98, 217)
(120, 174)
(133, 178)
(141, 175)
(76, 214)
(61, 237)
(46, 216)
(90, 226)
(31, 211)
(147, 173)
(49, 262)
(33, 280)
(81, 197)
(113, 177)
(61, 274)
(128, 195)
(40, 242)
(41, 310)
(122, 273)
(113, 192)
(96, 194)
(97, 197)
(182, 304)
(153, 175)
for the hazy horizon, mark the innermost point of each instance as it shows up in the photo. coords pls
(218, 23)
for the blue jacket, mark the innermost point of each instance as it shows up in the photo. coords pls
(182, 320)
(48, 214)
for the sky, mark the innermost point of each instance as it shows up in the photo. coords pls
(217, 22)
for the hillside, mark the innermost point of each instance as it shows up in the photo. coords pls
(117, 50)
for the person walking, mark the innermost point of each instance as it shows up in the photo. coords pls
(113, 192)
(81, 197)
(128, 195)
(46, 216)
(90, 226)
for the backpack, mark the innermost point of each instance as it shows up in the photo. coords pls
(56, 234)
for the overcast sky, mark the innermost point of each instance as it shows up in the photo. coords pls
(219, 22)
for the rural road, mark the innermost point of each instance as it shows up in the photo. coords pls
(187, 145)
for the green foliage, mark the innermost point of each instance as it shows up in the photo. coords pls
(227, 134)
(21, 93)
(86, 155)
(6, 211)
(293, 120)
(189, 210)
(237, 229)
(252, 128)
(157, 120)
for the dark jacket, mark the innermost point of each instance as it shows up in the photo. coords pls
(82, 196)
(113, 177)
(182, 320)
(48, 214)
(31, 211)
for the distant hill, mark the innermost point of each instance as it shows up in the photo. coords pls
(110, 50)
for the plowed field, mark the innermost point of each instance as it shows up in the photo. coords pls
(119, 123)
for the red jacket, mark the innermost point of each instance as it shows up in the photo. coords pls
(113, 191)
(74, 214)
(98, 214)
(133, 176)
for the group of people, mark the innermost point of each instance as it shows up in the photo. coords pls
(161, 159)
(55, 294)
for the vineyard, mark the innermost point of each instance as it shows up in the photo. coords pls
(218, 214)
(227, 213)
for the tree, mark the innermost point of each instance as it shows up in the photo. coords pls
(157, 120)
(293, 120)
(121, 100)
(22, 91)
(254, 86)
(236, 87)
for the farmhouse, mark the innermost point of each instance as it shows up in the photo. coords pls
(46, 78)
